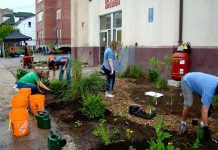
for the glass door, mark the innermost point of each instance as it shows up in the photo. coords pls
(103, 45)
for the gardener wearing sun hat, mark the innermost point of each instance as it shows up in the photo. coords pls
(206, 86)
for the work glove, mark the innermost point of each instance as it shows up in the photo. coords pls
(206, 133)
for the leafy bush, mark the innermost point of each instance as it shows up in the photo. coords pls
(76, 71)
(20, 73)
(161, 84)
(57, 86)
(162, 134)
(152, 75)
(133, 71)
(93, 83)
(102, 132)
(93, 106)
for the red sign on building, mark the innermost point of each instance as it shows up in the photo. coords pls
(111, 3)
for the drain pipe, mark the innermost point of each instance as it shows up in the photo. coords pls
(180, 21)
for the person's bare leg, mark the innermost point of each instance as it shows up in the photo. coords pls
(185, 113)
(204, 113)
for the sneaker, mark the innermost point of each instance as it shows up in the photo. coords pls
(107, 94)
(183, 127)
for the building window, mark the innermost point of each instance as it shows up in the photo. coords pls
(39, 16)
(58, 33)
(105, 22)
(29, 24)
(39, 1)
(40, 34)
(117, 20)
(58, 14)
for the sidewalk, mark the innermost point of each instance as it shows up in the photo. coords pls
(7, 82)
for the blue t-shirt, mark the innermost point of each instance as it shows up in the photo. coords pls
(108, 54)
(203, 85)
(58, 60)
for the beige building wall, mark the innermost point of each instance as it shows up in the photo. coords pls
(200, 22)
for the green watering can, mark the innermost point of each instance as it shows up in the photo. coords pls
(55, 142)
(43, 120)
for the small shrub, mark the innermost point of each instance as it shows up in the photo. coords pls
(76, 71)
(71, 93)
(93, 83)
(78, 123)
(102, 132)
(133, 71)
(162, 134)
(20, 73)
(161, 84)
(152, 75)
(57, 86)
(93, 106)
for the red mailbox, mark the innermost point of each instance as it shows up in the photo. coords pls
(180, 65)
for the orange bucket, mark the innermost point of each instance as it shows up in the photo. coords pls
(25, 91)
(19, 121)
(37, 102)
(20, 101)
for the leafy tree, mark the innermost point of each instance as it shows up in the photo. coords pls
(5, 30)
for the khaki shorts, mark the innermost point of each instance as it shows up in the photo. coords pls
(187, 94)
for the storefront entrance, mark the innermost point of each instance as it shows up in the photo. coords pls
(110, 29)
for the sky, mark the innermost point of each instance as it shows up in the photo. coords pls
(18, 5)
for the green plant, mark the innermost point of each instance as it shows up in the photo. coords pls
(102, 132)
(199, 136)
(116, 131)
(78, 123)
(57, 86)
(152, 75)
(161, 133)
(20, 73)
(157, 65)
(215, 100)
(128, 133)
(76, 71)
(92, 83)
(132, 71)
(93, 106)
(132, 148)
(151, 109)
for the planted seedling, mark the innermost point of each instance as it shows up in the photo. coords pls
(155, 100)
(78, 123)
(116, 131)
(151, 109)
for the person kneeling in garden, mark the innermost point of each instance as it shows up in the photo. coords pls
(206, 86)
(65, 64)
(32, 80)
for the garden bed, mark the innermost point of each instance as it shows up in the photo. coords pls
(71, 121)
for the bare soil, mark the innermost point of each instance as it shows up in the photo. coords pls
(128, 92)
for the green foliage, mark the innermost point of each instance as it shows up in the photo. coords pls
(162, 134)
(132, 148)
(199, 136)
(215, 100)
(133, 71)
(78, 123)
(92, 83)
(157, 65)
(5, 30)
(93, 106)
(116, 131)
(20, 73)
(57, 86)
(76, 71)
(152, 75)
(128, 133)
(102, 132)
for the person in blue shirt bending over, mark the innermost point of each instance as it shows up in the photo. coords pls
(204, 85)
(65, 64)
(108, 67)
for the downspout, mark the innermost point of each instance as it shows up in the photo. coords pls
(180, 21)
